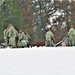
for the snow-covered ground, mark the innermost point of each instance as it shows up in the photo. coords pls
(38, 61)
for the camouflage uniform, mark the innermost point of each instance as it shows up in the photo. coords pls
(20, 38)
(12, 35)
(72, 36)
(25, 40)
(6, 36)
(49, 36)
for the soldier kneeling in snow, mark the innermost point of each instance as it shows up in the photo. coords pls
(23, 39)
(27, 37)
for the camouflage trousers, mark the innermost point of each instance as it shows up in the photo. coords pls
(6, 42)
(12, 42)
(49, 43)
(22, 43)
(72, 40)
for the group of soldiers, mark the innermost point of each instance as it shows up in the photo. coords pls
(21, 39)
(68, 40)
(16, 39)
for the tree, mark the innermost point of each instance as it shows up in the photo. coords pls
(39, 12)
(11, 12)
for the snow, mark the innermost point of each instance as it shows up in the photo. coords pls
(34, 13)
(37, 6)
(56, 13)
(52, 1)
(38, 61)
(70, 0)
(54, 16)
(48, 26)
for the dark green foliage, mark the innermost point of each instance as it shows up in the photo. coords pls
(11, 12)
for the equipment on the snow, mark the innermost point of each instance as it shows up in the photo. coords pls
(58, 43)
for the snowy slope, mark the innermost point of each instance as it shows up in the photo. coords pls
(38, 61)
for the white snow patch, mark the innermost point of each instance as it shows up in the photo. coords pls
(56, 13)
(48, 26)
(54, 16)
(38, 61)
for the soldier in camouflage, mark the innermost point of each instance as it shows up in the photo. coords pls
(49, 38)
(23, 39)
(72, 36)
(20, 38)
(26, 38)
(12, 35)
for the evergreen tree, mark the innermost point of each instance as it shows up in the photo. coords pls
(10, 12)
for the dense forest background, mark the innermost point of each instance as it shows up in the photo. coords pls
(38, 16)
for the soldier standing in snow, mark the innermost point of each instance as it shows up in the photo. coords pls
(49, 38)
(72, 36)
(12, 35)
